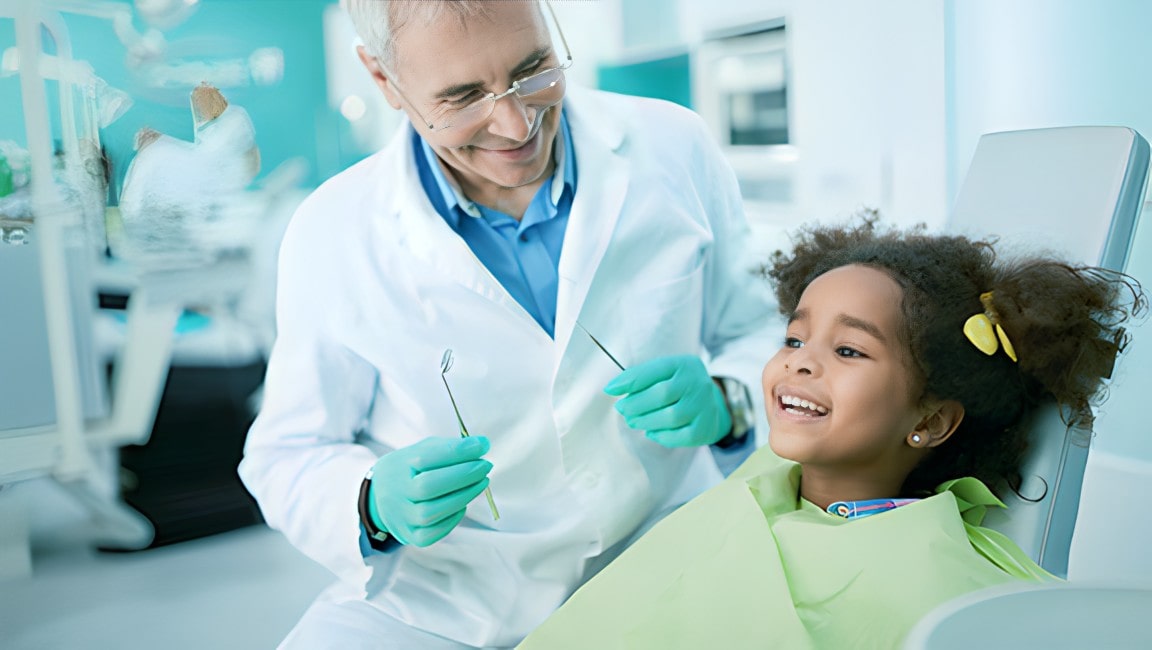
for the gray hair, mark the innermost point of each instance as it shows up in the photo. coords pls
(378, 21)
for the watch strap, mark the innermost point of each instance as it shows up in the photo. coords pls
(740, 407)
(378, 539)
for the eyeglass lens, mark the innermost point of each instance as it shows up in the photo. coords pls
(540, 90)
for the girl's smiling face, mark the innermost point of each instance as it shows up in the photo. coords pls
(841, 395)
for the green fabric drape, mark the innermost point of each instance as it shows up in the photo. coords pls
(749, 564)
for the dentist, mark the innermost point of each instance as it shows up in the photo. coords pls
(509, 221)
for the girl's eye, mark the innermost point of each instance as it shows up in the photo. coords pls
(792, 342)
(846, 351)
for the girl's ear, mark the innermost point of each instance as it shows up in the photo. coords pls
(937, 426)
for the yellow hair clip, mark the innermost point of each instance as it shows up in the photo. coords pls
(984, 329)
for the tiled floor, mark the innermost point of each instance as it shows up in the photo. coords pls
(243, 589)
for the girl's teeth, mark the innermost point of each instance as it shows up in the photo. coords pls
(789, 400)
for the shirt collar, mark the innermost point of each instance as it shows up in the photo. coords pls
(454, 196)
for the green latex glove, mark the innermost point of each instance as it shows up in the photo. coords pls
(674, 400)
(419, 493)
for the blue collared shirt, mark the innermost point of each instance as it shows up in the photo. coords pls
(523, 255)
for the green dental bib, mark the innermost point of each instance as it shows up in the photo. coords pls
(749, 564)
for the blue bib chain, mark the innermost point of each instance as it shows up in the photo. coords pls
(858, 509)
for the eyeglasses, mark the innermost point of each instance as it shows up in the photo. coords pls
(541, 90)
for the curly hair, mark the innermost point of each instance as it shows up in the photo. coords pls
(1064, 321)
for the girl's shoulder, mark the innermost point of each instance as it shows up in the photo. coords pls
(973, 499)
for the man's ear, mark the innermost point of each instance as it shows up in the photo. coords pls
(938, 425)
(379, 76)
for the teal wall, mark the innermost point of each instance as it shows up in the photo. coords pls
(291, 117)
(663, 77)
(11, 117)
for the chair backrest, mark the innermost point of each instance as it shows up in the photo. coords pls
(1077, 192)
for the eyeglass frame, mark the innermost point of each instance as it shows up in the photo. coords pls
(493, 97)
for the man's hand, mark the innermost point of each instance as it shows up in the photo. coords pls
(419, 493)
(674, 400)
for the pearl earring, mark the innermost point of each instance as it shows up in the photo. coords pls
(916, 438)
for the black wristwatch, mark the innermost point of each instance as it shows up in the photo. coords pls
(740, 407)
(378, 539)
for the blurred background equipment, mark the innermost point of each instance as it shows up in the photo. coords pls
(132, 380)
(69, 431)
(178, 195)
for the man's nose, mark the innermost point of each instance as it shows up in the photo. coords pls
(511, 118)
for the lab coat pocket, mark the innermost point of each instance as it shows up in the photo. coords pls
(664, 318)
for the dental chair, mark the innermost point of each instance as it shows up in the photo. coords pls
(1077, 192)
(1052, 617)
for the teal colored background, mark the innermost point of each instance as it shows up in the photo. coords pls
(663, 77)
(11, 114)
(291, 117)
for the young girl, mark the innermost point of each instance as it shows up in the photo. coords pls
(895, 402)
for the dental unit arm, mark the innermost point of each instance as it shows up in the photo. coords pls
(68, 450)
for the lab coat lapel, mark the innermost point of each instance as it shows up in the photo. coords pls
(426, 235)
(603, 175)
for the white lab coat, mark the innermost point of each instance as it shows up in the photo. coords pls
(374, 286)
